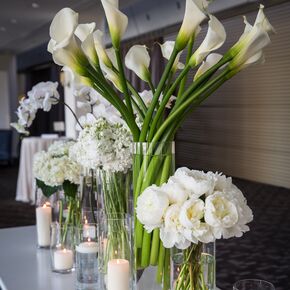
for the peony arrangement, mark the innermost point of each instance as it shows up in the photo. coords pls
(42, 96)
(193, 207)
(55, 168)
(104, 145)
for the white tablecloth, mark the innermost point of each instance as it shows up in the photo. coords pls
(25, 182)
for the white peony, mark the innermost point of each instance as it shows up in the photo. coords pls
(191, 213)
(220, 213)
(195, 182)
(171, 233)
(151, 206)
(174, 192)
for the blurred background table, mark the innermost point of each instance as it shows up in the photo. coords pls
(23, 266)
(29, 146)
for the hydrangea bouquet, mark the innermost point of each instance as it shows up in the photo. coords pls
(54, 170)
(80, 47)
(193, 208)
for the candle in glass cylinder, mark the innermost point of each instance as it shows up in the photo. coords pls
(89, 231)
(43, 222)
(63, 259)
(118, 274)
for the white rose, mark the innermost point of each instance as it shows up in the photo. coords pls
(220, 213)
(151, 206)
(195, 182)
(175, 192)
(191, 213)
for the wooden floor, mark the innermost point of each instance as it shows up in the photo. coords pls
(262, 253)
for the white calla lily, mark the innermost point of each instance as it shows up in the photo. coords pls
(251, 45)
(99, 46)
(167, 49)
(112, 56)
(111, 76)
(138, 60)
(117, 21)
(193, 16)
(214, 39)
(210, 61)
(84, 30)
(89, 50)
(262, 19)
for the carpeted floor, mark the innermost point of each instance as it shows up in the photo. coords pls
(262, 253)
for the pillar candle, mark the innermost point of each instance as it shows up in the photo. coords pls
(118, 274)
(43, 222)
(87, 247)
(63, 259)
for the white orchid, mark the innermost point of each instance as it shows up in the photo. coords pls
(214, 39)
(25, 116)
(211, 60)
(86, 120)
(117, 21)
(19, 128)
(151, 206)
(167, 49)
(137, 59)
(193, 17)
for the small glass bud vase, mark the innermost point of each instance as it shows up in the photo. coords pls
(116, 252)
(63, 241)
(87, 259)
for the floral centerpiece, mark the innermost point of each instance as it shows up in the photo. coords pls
(193, 208)
(54, 170)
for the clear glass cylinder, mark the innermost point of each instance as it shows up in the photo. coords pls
(88, 196)
(87, 267)
(46, 209)
(194, 268)
(253, 284)
(62, 249)
(116, 252)
(153, 163)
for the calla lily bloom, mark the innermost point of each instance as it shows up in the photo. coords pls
(262, 19)
(193, 16)
(138, 60)
(167, 49)
(101, 52)
(210, 61)
(84, 30)
(214, 39)
(111, 76)
(117, 21)
(89, 50)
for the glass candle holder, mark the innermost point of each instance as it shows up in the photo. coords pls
(116, 252)
(253, 284)
(87, 258)
(63, 241)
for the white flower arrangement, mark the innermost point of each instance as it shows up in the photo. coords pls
(42, 96)
(54, 167)
(193, 207)
(104, 145)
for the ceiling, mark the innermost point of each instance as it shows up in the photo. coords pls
(24, 23)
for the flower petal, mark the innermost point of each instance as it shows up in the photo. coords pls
(167, 49)
(138, 60)
(263, 20)
(101, 52)
(83, 30)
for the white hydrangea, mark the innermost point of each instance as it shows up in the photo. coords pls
(201, 207)
(55, 166)
(104, 145)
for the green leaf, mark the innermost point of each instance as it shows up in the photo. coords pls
(46, 189)
(70, 189)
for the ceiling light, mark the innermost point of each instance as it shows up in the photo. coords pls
(2, 28)
(35, 5)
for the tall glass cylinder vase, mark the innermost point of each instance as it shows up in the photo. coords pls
(89, 196)
(153, 163)
(194, 268)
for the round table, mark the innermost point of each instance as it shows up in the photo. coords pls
(25, 182)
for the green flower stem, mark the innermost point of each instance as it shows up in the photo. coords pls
(123, 80)
(189, 53)
(151, 86)
(155, 248)
(165, 100)
(60, 213)
(173, 117)
(160, 267)
(145, 258)
(92, 199)
(166, 270)
(156, 96)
